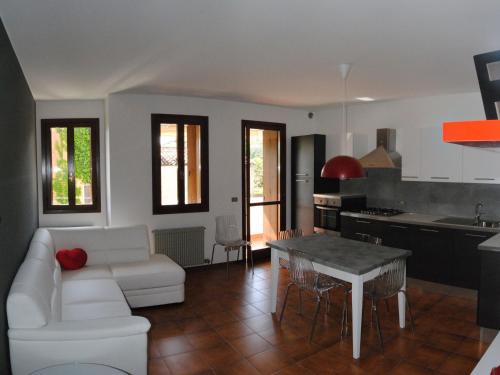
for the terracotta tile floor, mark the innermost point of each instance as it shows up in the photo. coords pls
(224, 327)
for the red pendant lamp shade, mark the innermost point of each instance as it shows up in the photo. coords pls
(342, 167)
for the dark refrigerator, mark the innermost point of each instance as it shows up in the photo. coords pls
(308, 158)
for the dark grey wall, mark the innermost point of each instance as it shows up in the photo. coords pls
(18, 200)
(384, 188)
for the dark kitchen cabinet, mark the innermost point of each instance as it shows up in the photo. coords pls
(488, 304)
(354, 228)
(432, 249)
(396, 235)
(466, 258)
(307, 160)
(444, 255)
(399, 235)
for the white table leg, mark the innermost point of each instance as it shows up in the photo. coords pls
(357, 315)
(402, 303)
(274, 279)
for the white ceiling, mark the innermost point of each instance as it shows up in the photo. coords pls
(281, 52)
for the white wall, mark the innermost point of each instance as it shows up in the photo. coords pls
(72, 109)
(365, 118)
(129, 120)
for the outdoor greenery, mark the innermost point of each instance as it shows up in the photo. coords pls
(256, 160)
(82, 160)
(60, 174)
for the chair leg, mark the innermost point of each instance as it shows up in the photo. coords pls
(374, 304)
(227, 263)
(371, 313)
(251, 259)
(327, 301)
(285, 301)
(238, 256)
(213, 249)
(300, 301)
(318, 306)
(412, 325)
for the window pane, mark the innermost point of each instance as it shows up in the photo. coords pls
(59, 166)
(264, 165)
(83, 166)
(169, 164)
(192, 164)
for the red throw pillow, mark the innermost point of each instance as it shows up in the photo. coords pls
(495, 371)
(72, 259)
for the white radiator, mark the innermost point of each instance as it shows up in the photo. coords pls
(186, 246)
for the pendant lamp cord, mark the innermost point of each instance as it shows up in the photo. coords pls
(344, 115)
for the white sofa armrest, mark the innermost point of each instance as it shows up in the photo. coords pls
(84, 330)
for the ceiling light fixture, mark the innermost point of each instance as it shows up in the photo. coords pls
(365, 99)
(343, 167)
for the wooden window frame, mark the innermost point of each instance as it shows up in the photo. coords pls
(70, 124)
(180, 121)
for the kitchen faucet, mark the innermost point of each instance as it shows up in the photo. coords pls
(477, 215)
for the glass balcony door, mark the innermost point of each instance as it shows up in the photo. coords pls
(263, 181)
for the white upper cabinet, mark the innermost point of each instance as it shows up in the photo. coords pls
(440, 161)
(409, 146)
(481, 165)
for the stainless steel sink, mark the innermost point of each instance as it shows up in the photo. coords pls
(468, 222)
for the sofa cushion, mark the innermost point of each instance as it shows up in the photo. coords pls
(30, 296)
(92, 239)
(105, 245)
(95, 310)
(97, 290)
(127, 244)
(158, 271)
(92, 299)
(88, 273)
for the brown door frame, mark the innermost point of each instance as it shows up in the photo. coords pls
(246, 125)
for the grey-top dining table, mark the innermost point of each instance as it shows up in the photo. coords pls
(349, 260)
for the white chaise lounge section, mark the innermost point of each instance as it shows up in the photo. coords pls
(57, 317)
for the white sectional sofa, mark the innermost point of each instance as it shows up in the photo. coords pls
(84, 316)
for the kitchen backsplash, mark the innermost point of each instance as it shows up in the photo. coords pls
(384, 188)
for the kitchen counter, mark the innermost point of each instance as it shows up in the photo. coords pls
(423, 219)
(492, 244)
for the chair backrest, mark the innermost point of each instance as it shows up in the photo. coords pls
(226, 229)
(302, 271)
(289, 233)
(391, 278)
(370, 239)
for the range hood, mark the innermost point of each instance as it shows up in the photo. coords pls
(481, 133)
(385, 155)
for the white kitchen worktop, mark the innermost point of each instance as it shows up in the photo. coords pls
(491, 244)
(490, 359)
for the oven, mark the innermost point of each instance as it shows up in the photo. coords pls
(327, 209)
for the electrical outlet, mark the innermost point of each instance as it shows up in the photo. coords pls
(234, 199)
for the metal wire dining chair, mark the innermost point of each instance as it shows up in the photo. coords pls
(304, 276)
(370, 239)
(286, 235)
(387, 284)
